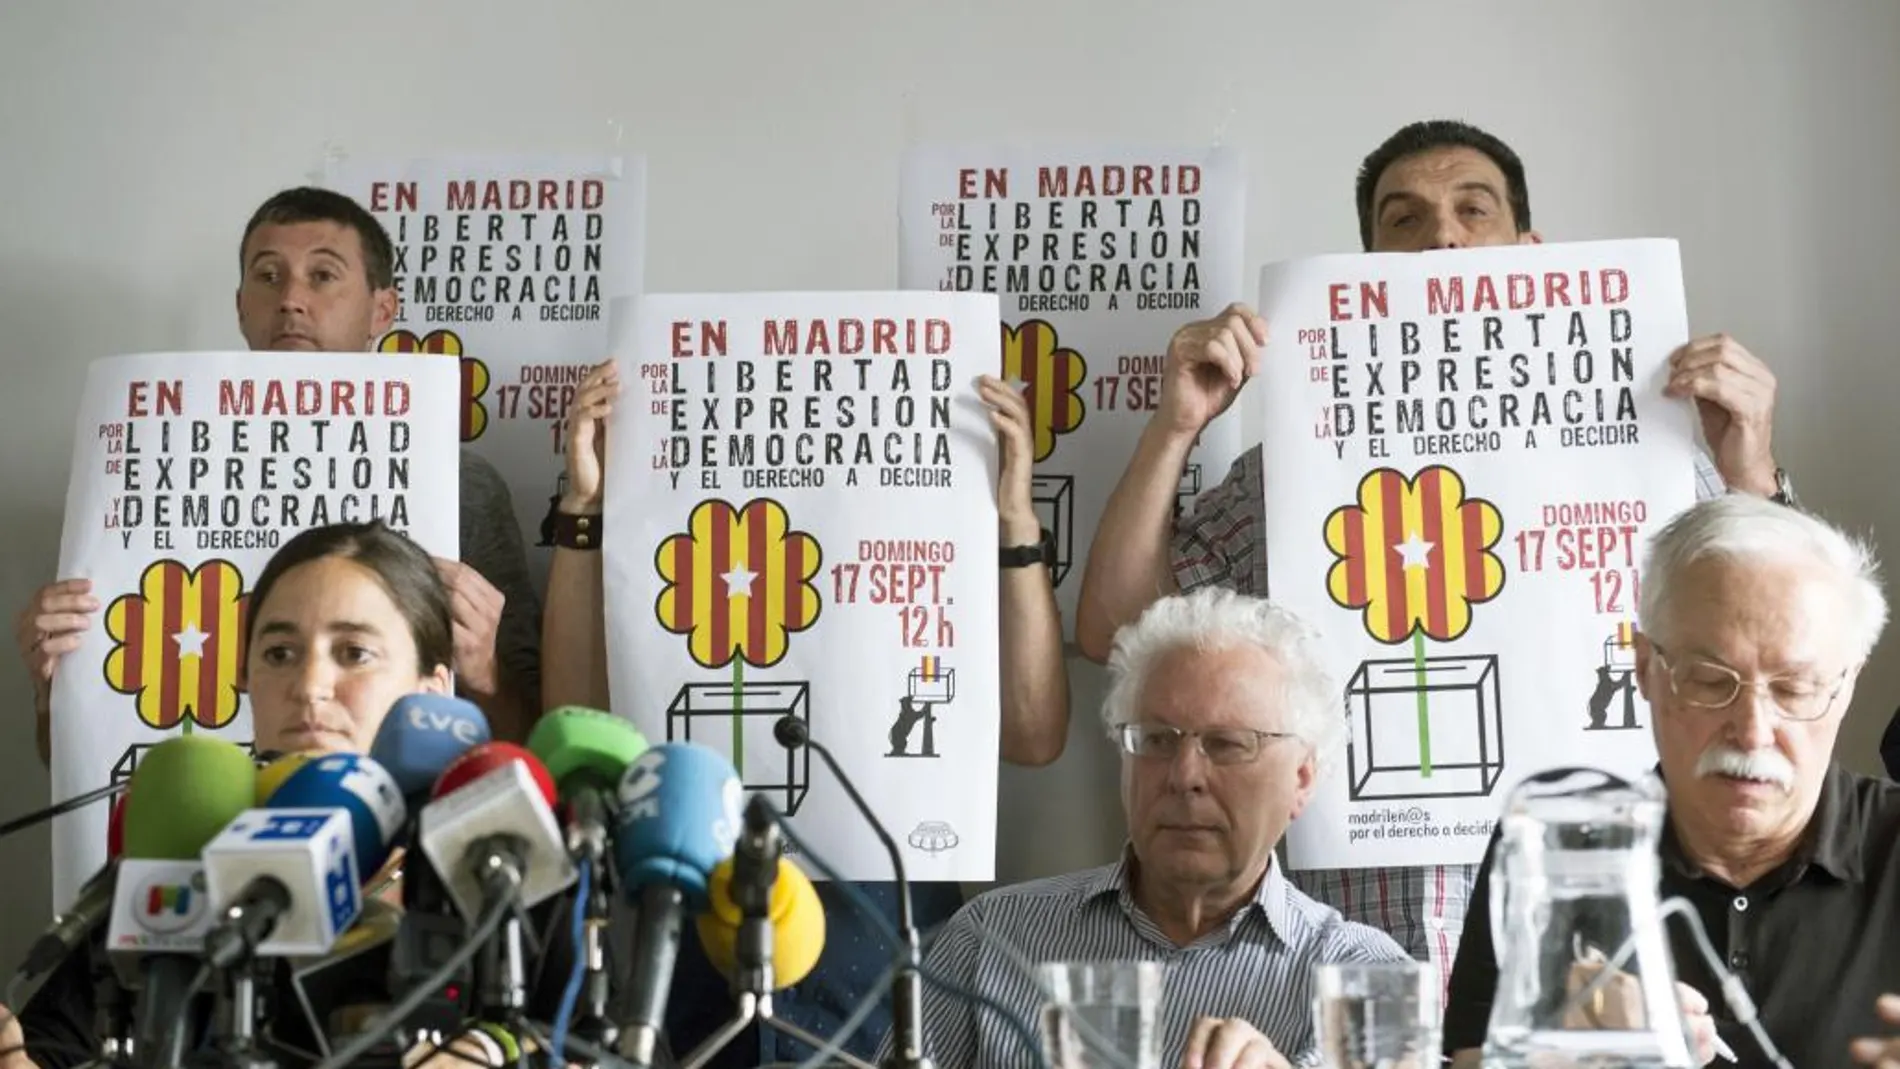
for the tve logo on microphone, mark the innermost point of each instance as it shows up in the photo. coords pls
(462, 729)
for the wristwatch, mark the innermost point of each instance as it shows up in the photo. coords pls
(1043, 552)
(1784, 490)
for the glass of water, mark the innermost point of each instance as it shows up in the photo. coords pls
(1381, 1015)
(1101, 1014)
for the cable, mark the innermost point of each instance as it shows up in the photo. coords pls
(60, 809)
(1733, 993)
(859, 1014)
(904, 920)
(601, 1056)
(192, 990)
(824, 868)
(1092, 1037)
(869, 909)
(391, 1019)
(54, 1046)
(557, 1049)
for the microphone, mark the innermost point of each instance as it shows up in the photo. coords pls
(115, 828)
(273, 774)
(907, 996)
(586, 751)
(184, 791)
(795, 919)
(287, 878)
(68, 932)
(420, 738)
(491, 834)
(678, 818)
(764, 913)
(422, 735)
(497, 791)
(361, 788)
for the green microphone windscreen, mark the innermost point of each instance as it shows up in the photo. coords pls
(188, 787)
(585, 745)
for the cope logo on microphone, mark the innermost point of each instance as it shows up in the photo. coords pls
(164, 906)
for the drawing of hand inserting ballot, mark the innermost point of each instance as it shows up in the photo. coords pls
(927, 687)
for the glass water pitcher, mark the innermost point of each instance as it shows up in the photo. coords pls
(1585, 976)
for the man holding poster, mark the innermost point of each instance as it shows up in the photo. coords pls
(931, 716)
(317, 277)
(1431, 186)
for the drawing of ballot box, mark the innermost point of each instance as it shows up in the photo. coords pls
(1619, 650)
(931, 682)
(128, 761)
(723, 717)
(1456, 700)
(1054, 499)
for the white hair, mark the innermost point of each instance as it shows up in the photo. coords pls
(1212, 619)
(1743, 527)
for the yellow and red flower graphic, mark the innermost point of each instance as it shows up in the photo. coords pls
(474, 372)
(738, 582)
(178, 644)
(1053, 374)
(1414, 554)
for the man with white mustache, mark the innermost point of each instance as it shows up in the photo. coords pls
(1755, 622)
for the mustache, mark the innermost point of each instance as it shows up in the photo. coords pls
(1766, 766)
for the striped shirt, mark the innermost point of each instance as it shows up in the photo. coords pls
(1256, 966)
(1223, 544)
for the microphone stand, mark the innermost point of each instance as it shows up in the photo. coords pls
(504, 987)
(503, 971)
(592, 1023)
(754, 871)
(235, 1047)
(586, 845)
(907, 987)
(112, 1009)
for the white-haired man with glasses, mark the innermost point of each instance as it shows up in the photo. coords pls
(1755, 622)
(1222, 708)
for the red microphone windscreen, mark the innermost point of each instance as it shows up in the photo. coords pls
(487, 757)
(115, 827)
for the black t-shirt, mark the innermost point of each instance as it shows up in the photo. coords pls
(1815, 942)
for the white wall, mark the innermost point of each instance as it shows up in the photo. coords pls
(135, 137)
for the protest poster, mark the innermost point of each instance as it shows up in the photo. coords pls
(507, 264)
(189, 470)
(801, 522)
(1097, 255)
(1465, 455)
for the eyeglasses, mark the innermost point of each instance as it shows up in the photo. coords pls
(1709, 685)
(1222, 746)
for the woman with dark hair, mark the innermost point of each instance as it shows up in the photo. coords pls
(343, 621)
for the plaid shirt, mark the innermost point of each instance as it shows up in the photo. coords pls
(1223, 544)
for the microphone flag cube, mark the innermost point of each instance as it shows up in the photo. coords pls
(312, 852)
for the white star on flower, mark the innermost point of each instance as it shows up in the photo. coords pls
(1414, 551)
(191, 641)
(739, 581)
